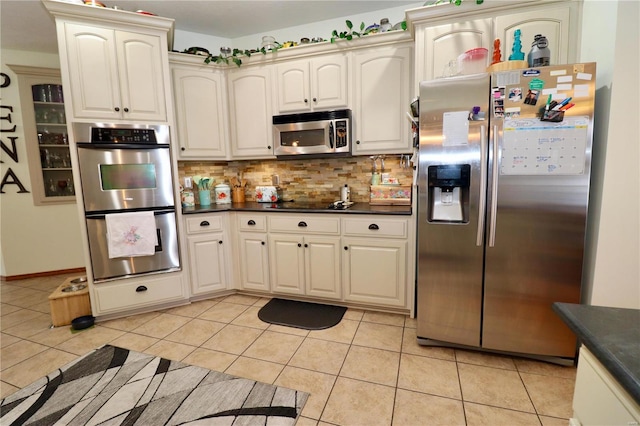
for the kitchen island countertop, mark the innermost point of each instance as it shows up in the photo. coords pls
(613, 337)
(300, 207)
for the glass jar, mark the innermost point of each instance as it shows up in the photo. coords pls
(384, 25)
(268, 42)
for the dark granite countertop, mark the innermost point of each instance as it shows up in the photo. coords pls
(299, 207)
(612, 335)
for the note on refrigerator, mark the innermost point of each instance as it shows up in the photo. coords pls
(455, 128)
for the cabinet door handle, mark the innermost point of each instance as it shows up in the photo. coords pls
(299, 245)
(315, 100)
(262, 242)
(306, 101)
(183, 149)
(357, 142)
(126, 110)
(346, 247)
(302, 224)
(220, 242)
(251, 222)
(204, 223)
(306, 245)
(141, 288)
(269, 147)
(117, 109)
(374, 227)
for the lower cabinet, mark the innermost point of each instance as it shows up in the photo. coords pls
(208, 253)
(374, 260)
(305, 265)
(374, 271)
(144, 293)
(253, 251)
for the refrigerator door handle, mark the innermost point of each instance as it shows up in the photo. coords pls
(494, 188)
(483, 188)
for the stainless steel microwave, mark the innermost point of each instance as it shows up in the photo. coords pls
(314, 134)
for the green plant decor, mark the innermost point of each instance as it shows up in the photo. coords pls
(236, 54)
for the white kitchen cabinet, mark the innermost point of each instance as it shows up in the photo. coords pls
(437, 46)
(115, 74)
(382, 80)
(598, 398)
(250, 112)
(208, 255)
(199, 94)
(375, 261)
(444, 32)
(305, 265)
(125, 296)
(312, 84)
(253, 251)
(555, 23)
(304, 255)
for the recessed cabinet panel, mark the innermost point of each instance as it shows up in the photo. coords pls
(286, 256)
(207, 263)
(254, 261)
(141, 79)
(200, 113)
(375, 271)
(444, 43)
(322, 267)
(329, 83)
(553, 24)
(93, 71)
(250, 113)
(381, 99)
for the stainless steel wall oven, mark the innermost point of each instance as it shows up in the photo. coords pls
(126, 169)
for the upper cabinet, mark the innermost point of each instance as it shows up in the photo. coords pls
(444, 32)
(382, 80)
(250, 112)
(199, 94)
(115, 75)
(441, 45)
(553, 22)
(113, 62)
(319, 83)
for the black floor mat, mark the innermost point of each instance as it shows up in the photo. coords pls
(309, 316)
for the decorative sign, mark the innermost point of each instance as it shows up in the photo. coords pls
(9, 177)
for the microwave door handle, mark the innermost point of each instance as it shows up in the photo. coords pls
(331, 134)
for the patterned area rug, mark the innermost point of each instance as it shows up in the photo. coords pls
(115, 386)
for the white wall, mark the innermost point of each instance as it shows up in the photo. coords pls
(34, 238)
(612, 273)
(184, 39)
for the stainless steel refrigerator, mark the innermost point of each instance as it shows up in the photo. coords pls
(503, 189)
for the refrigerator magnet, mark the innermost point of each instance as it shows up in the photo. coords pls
(515, 94)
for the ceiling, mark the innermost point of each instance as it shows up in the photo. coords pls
(226, 19)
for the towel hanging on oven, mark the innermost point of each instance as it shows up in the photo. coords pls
(131, 234)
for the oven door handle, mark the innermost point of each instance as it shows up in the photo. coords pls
(102, 214)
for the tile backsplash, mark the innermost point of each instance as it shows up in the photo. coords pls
(302, 180)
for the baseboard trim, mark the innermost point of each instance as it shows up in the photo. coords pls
(43, 274)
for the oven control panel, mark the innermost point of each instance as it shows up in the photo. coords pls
(120, 135)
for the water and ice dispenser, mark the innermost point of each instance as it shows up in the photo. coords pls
(449, 193)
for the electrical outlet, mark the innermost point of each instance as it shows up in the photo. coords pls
(187, 182)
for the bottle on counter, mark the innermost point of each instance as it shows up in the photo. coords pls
(345, 193)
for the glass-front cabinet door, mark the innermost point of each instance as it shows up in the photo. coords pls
(46, 137)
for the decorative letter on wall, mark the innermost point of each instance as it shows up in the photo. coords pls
(9, 177)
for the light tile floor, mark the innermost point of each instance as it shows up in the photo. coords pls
(367, 370)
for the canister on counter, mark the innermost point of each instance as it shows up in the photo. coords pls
(223, 193)
(188, 199)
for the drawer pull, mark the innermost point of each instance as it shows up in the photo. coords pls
(141, 288)
(302, 224)
(204, 223)
(251, 222)
(374, 227)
